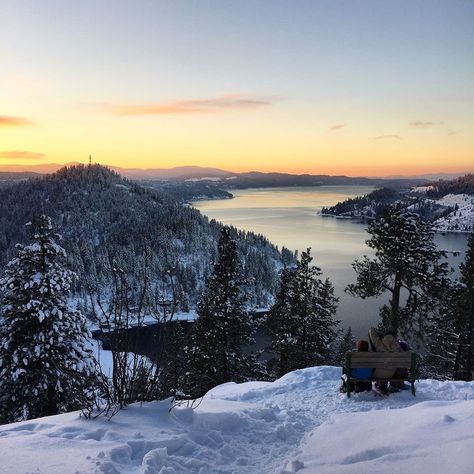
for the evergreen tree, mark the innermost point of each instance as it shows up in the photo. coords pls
(450, 345)
(407, 265)
(443, 339)
(223, 327)
(301, 322)
(464, 367)
(172, 361)
(346, 344)
(282, 327)
(45, 365)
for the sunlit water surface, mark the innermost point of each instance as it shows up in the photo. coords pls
(290, 217)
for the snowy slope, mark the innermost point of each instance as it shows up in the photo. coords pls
(460, 220)
(298, 423)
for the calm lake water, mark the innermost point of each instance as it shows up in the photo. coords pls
(290, 217)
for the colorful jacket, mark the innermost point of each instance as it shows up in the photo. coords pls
(361, 373)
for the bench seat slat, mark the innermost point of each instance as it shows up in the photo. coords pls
(380, 364)
(381, 360)
(376, 355)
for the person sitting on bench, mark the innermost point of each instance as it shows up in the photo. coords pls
(359, 373)
(387, 343)
(362, 373)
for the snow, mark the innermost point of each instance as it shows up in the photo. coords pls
(422, 189)
(205, 178)
(460, 220)
(299, 423)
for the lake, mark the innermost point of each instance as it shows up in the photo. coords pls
(290, 217)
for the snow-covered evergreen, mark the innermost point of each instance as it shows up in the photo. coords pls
(45, 365)
(346, 343)
(407, 265)
(301, 322)
(451, 332)
(223, 327)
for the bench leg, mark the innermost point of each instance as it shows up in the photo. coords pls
(413, 373)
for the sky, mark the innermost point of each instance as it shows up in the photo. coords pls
(355, 87)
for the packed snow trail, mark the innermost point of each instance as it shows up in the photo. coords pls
(256, 427)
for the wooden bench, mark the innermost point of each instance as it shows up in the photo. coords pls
(381, 360)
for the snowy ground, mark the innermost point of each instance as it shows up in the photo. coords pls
(300, 423)
(461, 220)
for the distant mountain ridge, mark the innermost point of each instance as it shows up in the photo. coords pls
(228, 179)
(179, 172)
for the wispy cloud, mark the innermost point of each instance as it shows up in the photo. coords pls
(421, 124)
(21, 155)
(388, 137)
(216, 104)
(11, 121)
(338, 126)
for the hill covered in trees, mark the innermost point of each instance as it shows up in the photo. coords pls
(110, 224)
(449, 204)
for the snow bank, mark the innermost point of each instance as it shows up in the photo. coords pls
(299, 423)
(434, 437)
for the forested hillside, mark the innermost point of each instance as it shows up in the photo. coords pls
(461, 185)
(448, 204)
(110, 224)
(370, 205)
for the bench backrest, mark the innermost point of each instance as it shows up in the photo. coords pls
(381, 360)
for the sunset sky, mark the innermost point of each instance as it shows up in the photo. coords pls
(356, 87)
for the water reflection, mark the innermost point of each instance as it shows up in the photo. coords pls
(290, 217)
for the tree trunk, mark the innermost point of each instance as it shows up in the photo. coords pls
(470, 336)
(395, 306)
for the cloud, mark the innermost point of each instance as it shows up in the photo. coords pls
(338, 126)
(21, 155)
(384, 137)
(421, 124)
(10, 121)
(225, 102)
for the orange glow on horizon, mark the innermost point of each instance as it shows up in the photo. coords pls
(359, 170)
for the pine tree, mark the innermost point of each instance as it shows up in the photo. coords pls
(407, 265)
(223, 327)
(45, 365)
(450, 347)
(464, 367)
(346, 344)
(282, 327)
(301, 322)
(442, 339)
(172, 361)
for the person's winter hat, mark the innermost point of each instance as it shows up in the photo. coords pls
(362, 346)
(404, 345)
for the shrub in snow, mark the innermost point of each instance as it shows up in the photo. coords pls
(45, 367)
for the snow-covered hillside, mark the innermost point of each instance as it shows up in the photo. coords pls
(461, 219)
(300, 423)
